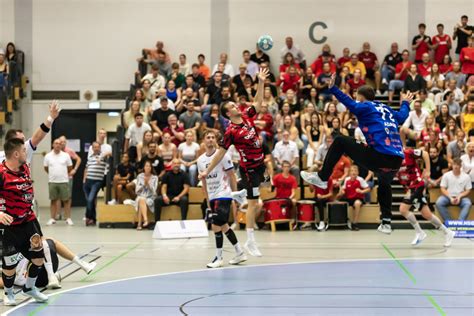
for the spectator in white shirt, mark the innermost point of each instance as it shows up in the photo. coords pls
(293, 49)
(455, 187)
(134, 135)
(157, 81)
(468, 161)
(228, 69)
(414, 124)
(287, 150)
(322, 151)
(58, 164)
(252, 67)
(188, 153)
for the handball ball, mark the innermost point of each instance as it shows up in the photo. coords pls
(265, 42)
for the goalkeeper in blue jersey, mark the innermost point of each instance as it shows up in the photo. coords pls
(383, 153)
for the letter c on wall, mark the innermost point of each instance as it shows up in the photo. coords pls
(311, 32)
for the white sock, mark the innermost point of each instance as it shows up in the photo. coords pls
(250, 234)
(437, 223)
(49, 269)
(9, 290)
(79, 262)
(30, 282)
(238, 249)
(412, 219)
(219, 253)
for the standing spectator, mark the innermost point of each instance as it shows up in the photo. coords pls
(467, 58)
(174, 190)
(287, 150)
(105, 150)
(421, 43)
(184, 67)
(77, 163)
(354, 64)
(294, 50)
(441, 44)
(390, 62)
(202, 69)
(93, 179)
(457, 75)
(424, 68)
(455, 148)
(401, 73)
(188, 153)
(369, 59)
(191, 120)
(57, 165)
(467, 117)
(228, 69)
(124, 174)
(462, 32)
(438, 167)
(468, 161)
(156, 160)
(415, 122)
(455, 188)
(176, 131)
(159, 118)
(134, 135)
(147, 184)
(353, 192)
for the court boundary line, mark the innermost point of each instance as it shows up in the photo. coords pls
(227, 267)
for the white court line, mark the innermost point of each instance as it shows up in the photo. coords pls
(229, 267)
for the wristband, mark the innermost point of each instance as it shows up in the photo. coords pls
(50, 119)
(44, 128)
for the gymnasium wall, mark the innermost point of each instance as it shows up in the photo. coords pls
(7, 27)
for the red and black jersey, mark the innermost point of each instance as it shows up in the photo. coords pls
(410, 174)
(245, 139)
(16, 194)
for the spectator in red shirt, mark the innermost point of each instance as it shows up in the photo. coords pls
(371, 65)
(289, 80)
(353, 84)
(285, 184)
(446, 66)
(317, 65)
(289, 61)
(353, 192)
(401, 72)
(441, 44)
(340, 171)
(424, 68)
(326, 49)
(346, 56)
(264, 123)
(421, 43)
(176, 131)
(322, 197)
(467, 58)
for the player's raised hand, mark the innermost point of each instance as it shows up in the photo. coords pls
(332, 81)
(262, 74)
(54, 109)
(408, 97)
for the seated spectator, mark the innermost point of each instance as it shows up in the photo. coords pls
(259, 56)
(286, 150)
(247, 92)
(438, 167)
(424, 68)
(354, 64)
(188, 153)
(305, 118)
(329, 114)
(175, 130)
(146, 186)
(451, 87)
(155, 159)
(164, 66)
(455, 189)
(466, 57)
(322, 197)
(450, 130)
(326, 50)
(468, 161)
(355, 82)
(214, 120)
(317, 65)
(184, 67)
(294, 49)
(337, 128)
(455, 148)
(149, 93)
(414, 123)
(174, 95)
(269, 100)
(134, 135)
(443, 116)
(322, 83)
(434, 81)
(128, 117)
(314, 131)
(285, 110)
(175, 76)
(390, 62)
(285, 183)
(252, 67)
(124, 174)
(327, 140)
(228, 69)
(174, 190)
(340, 171)
(156, 104)
(421, 43)
(430, 125)
(213, 89)
(467, 117)
(453, 106)
(346, 56)
(195, 87)
(264, 124)
(159, 118)
(306, 83)
(289, 80)
(140, 97)
(426, 103)
(457, 75)
(353, 191)
(414, 81)
(446, 66)
(290, 127)
(369, 59)
(238, 80)
(293, 102)
(191, 120)
(202, 70)
(401, 73)
(168, 151)
(433, 140)
(142, 147)
(155, 79)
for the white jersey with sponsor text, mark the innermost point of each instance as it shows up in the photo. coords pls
(217, 182)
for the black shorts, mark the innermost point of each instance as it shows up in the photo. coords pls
(251, 180)
(370, 73)
(16, 239)
(416, 197)
(42, 280)
(220, 211)
(352, 201)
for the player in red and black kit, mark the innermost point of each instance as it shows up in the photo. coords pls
(242, 134)
(22, 232)
(413, 180)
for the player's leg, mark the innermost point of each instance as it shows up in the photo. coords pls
(405, 206)
(384, 198)
(47, 276)
(436, 222)
(66, 199)
(10, 258)
(141, 208)
(67, 254)
(35, 254)
(221, 219)
(218, 260)
(355, 218)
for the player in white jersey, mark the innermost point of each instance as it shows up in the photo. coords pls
(38, 135)
(218, 187)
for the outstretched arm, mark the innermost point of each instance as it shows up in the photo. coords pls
(402, 114)
(41, 131)
(352, 105)
(262, 75)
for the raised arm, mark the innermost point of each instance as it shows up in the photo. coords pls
(41, 131)
(342, 97)
(402, 114)
(217, 158)
(262, 75)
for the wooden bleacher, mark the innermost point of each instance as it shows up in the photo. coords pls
(453, 210)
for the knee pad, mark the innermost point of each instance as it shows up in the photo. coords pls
(9, 262)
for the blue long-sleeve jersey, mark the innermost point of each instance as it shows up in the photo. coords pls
(378, 122)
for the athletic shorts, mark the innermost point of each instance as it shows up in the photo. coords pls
(416, 197)
(220, 211)
(352, 201)
(370, 73)
(251, 180)
(16, 239)
(59, 191)
(42, 280)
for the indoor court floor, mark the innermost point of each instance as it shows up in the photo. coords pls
(301, 273)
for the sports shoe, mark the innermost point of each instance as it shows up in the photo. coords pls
(9, 299)
(216, 263)
(242, 257)
(385, 228)
(448, 238)
(251, 247)
(35, 294)
(129, 202)
(112, 202)
(69, 222)
(88, 266)
(239, 196)
(321, 226)
(314, 179)
(419, 237)
(51, 221)
(355, 227)
(384, 81)
(53, 282)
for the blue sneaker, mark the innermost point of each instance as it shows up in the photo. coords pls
(35, 294)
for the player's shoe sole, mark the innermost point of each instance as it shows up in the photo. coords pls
(238, 259)
(314, 179)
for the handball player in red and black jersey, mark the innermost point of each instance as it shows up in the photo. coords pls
(22, 232)
(242, 134)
